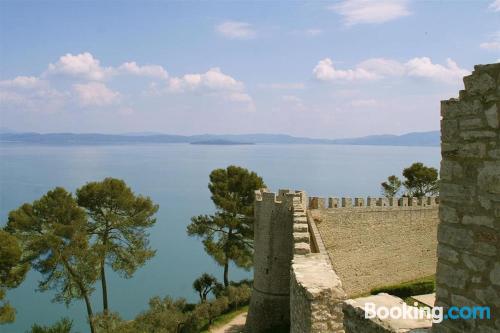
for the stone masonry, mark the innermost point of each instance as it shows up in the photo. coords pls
(385, 243)
(295, 289)
(468, 270)
(298, 251)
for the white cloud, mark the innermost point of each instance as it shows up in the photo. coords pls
(423, 67)
(379, 68)
(30, 93)
(292, 102)
(370, 11)
(283, 86)
(24, 82)
(325, 71)
(291, 98)
(239, 97)
(95, 94)
(490, 45)
(82, 65)
(153, 71)
(364, 103)
(383, 67)
(313, 32)
(213, 80)
(236, 30)
(493, 44)
(495, 6)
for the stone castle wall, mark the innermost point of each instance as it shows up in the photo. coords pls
(468, 271)
(386, 242)
(316, 293)
(295, 289)
(273, 245)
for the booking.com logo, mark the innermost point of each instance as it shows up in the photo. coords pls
(437, 314)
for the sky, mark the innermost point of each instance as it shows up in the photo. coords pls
(307, 68)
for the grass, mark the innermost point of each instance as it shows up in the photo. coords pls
(405, 290)
(226, 318)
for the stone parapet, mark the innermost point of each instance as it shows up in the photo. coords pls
(371, 202)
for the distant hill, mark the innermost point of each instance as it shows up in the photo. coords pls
(220, 142)
(410, 139)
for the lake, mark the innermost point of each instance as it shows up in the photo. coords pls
(176, 176)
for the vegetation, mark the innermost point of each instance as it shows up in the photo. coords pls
(420, 180)
(12, 273)
(391, 187)
(118, 219)
(62, 326)
(228, 234)
(206, 284)
(70, 240)
(167, 315)
(55, 242)
(421, 286)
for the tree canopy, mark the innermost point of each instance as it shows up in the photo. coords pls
(227, 235)
(204, 285)
(12, 273)
(119, 220)
(55, 241)
(421, 180)
(391, 187)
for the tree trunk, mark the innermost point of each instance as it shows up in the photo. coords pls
(226, 262)
(89, 313)
(84, 292)
(104, 288)
(226, 273)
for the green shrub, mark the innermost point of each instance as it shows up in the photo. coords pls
(407, 289)
(62, 326)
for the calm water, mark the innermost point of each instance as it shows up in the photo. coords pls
(175, 176)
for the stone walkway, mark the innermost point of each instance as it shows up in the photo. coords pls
(234, 326)
(427, 299)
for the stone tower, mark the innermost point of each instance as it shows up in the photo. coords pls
(468, 270)
(273, 243)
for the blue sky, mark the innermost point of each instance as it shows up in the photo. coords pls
(309, 68)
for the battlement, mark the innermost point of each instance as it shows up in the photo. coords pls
(371, 202)
(284, 195)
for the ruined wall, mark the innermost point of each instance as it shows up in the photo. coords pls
(380, 243)
(468, 271)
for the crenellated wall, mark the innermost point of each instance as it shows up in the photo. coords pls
(274, 246)
(346, 202)
(295, 289)
(316, 293)
(378, 242)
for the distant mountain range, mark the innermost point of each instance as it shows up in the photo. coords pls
(411, 139)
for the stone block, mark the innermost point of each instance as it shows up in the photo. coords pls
(359, 202)
(451, 276)
(333, 203)
(492, 116)
(457, 237)
(346, 202)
